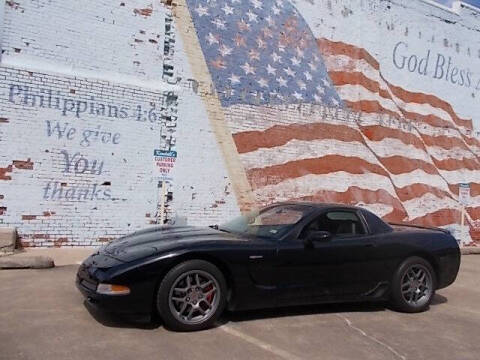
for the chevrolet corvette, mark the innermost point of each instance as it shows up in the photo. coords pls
(285, 254)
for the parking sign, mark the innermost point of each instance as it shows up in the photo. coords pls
(164, 160)
(464, 194)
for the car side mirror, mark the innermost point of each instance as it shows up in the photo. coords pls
(318, 236)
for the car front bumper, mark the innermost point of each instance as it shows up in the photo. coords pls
(109, 303)
(449, 266)
(140, 300)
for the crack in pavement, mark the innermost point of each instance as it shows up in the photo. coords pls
(259, 343)
(363, 333)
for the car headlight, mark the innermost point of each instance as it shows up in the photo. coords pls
(112, 289)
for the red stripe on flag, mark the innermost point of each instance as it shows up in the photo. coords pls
(294, 169)
(341, 48)
(279, 135)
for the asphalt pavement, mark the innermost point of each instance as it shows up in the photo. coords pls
(43, 316)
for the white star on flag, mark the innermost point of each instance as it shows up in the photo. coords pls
(262, 82)
(254, 54)
(320, 90)
(289, 71)
(248, 69)
(220, 24)
(227, 9)
(256, 4)
(225, 50)
(234, 79)
(282, 81)
(276, 57)
(295, 61)
(260, 43)
(201, 11)
(271, 70)
(211, 39)
(302, 85)
(297, 96)
(252, 16)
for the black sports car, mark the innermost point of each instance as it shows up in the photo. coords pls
(284, 254)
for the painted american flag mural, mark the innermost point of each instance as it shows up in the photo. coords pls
(314, 119)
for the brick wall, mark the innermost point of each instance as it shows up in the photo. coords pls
(89, 89)
(74, 168)
(102, 37)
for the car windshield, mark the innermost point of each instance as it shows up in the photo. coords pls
(271, 223)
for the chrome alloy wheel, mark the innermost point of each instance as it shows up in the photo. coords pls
(417, 285)
(194, 297)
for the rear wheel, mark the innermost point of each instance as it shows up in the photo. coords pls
(191, 296)
(413, 285)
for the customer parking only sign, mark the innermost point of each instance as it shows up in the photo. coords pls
(464, 194)
(164, 160)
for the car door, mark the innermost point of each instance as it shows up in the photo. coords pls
(341, 266)
(253, 271)
(256, 283)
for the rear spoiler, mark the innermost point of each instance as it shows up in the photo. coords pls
(421, 227)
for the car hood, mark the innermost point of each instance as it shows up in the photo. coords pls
(160, 239)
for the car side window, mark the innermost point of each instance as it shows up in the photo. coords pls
(344, 223)
(337, 223)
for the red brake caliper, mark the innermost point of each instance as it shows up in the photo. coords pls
(209, 296)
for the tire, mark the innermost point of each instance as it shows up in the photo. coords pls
(191, 296)
(413, 285)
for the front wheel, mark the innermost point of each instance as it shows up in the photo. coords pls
(413, 285)
(192, 296)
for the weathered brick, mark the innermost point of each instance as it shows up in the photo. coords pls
(29, 217)
(125, 68)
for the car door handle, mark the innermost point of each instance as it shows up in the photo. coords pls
(255, 257)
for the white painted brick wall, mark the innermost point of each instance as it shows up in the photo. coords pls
(114, 52)
(378, 26)
(121, 37)
(111, 54)
(125, 179)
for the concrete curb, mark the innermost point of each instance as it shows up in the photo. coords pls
(8, 239)
(26, 262)
(470, 250)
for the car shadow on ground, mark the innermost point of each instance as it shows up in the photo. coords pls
(314, 310)
(438, 299)
(304, 310)
(116, 320)
(147, 322)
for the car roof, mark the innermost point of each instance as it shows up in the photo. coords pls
(375, 223)
(319, 205)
